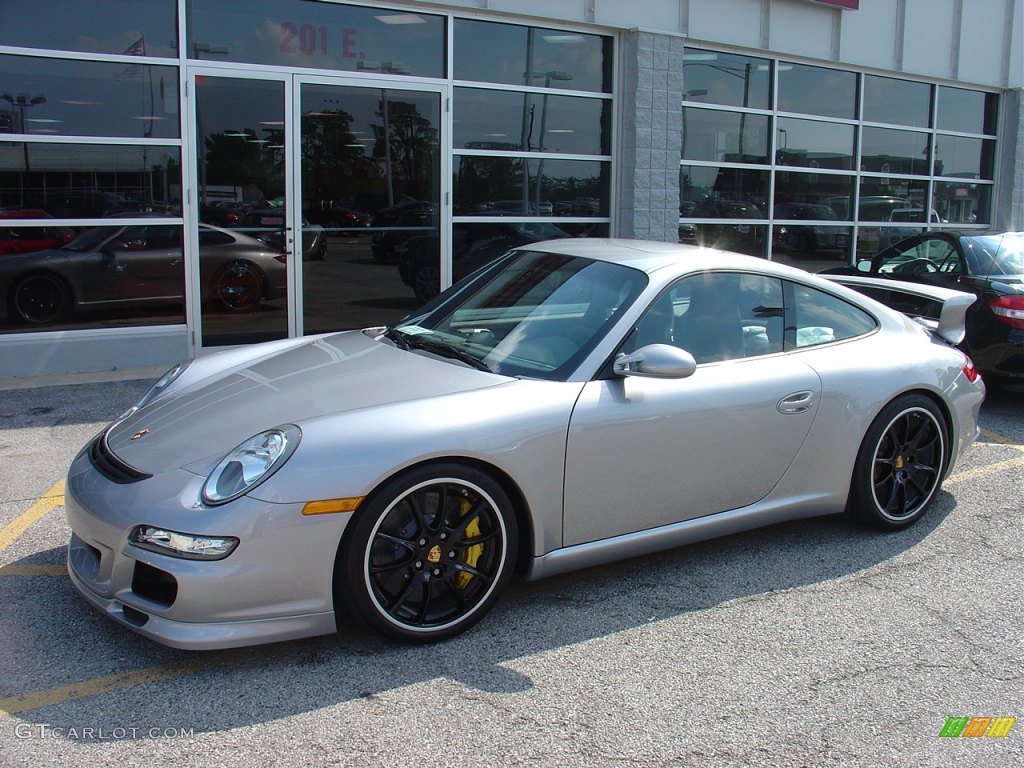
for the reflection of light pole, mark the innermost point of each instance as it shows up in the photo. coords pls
(548, 77)
(21, 102)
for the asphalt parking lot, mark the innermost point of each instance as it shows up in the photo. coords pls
(807, 644)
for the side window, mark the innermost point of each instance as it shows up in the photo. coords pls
(715, 316)
(821, 318)
(928, 255)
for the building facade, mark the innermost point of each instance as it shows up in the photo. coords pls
(179, 176)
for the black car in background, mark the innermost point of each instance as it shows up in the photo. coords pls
(989, 265)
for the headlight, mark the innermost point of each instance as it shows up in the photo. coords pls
(185, 545)
(250, 464)
(162, 383)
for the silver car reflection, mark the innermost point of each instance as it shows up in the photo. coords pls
(138, 265)
(572, 403)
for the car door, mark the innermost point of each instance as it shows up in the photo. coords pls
(147, 263)
(646, 452)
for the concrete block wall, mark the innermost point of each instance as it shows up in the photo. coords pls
(650, 135)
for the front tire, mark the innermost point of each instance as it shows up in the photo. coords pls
(40, 298)
(901, 464)
(429, 553)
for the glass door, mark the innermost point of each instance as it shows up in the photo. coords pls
(243, 234)
(370, 178)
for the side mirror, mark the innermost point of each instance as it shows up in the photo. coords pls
(864, 265)
(656, 361)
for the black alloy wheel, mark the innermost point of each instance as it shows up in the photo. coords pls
(901, 463)
(239, 286)
(40, 298)
(429, 553)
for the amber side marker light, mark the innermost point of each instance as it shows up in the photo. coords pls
(331, 506)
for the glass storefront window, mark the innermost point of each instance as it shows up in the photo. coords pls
(963, 156)
(296, 33)
(727, 79)
(884, 150)
(826, 194)
(966, 111)
(529, 122)
(960, 202)
(490, 52)
(900, 102)
(717, 135)
(47, 97)
(798, 243)
(511, 186)
(87, 180)
(817, 91)
(105, 276)
(129, 27)
(722, 192)
(814, 144)
(888, 199)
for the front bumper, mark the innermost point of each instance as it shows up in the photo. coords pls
(277, 585)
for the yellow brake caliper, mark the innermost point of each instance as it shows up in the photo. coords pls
(472, 554)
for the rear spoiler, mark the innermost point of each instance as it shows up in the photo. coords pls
(941, 310)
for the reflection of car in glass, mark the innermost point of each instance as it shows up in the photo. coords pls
(396, 224)
(335, 217)
(808, 237)
(572, 403)
(87, 203)
(27, 239)
(991, 266)
(890, 235)
(114, 266)
(268, 225)
(473, 245)
(736, 237)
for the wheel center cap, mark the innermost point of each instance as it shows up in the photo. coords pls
(900, 463)
(434, 555)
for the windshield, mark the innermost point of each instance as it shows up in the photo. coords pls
(91, 239)
(995, 254)
(530, 314)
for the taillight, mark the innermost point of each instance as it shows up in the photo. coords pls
(282, 257)
(1009, 309)
(969, 370)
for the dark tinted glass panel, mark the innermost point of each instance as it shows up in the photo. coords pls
(101, 277)
(85, 98)
(963, 203)
(296, 33)
(132, 27)
(900, 102)
(531, 123)
(86, 180)
(961, 156)
(813, 144)
(727, 79)
(733, 137)
(810, 245)
(505, 186)
(505, 53)
(966, 111)
(822, 194)
(817, 91)
(732, 193)
(890, 151)
(885, 199)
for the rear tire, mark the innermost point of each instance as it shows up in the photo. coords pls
(900, 464)
(40, 298)
(428, 553)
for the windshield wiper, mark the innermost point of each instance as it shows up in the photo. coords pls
(445, 350)
(400, 339)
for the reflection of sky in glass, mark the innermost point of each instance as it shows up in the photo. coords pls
(966, 111)
(495, 120)
(960, 156)
(901, 151)
(99, 26)
(499, 53)
(295, 33)
(900, 102)
(817, 91)
(710, 134)
(727, 79)
(803, 141)
(82, 98)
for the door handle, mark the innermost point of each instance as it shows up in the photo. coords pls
(798, 402)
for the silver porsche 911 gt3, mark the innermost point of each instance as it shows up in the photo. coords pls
(572, 403)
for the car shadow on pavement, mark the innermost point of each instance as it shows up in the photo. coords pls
(239, 688)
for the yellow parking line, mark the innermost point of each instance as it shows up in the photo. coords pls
(995, 437)
(33, 570)
(988, 469)
(52, 498)
(45, 698)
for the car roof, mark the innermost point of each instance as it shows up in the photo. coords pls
(651, 256)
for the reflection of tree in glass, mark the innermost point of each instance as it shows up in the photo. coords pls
(412, 150)
(333, 160)
(241, 158)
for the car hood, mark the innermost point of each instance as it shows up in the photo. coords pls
(194, 427)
